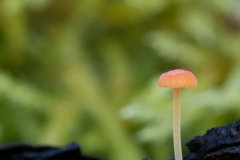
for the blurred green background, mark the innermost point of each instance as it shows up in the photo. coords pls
(87, 71)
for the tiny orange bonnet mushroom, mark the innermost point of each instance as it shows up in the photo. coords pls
(177, 79)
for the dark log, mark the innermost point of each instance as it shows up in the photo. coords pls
(219, 143)
(20, 151)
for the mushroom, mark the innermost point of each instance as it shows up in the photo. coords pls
(177, 79)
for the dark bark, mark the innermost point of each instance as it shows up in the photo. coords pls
(219, 143)
(20, 151)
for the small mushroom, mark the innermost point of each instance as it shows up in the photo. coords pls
(177, 79)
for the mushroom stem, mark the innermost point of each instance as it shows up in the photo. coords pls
(176, 124)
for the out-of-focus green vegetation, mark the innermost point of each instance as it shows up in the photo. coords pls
(87, 71)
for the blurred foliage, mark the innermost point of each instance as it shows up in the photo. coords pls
(87, 71)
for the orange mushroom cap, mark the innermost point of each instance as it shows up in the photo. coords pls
(177, 78)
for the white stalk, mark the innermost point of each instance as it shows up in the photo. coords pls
(176, 124)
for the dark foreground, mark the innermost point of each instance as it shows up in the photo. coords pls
(19, 151)
(220, 143)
